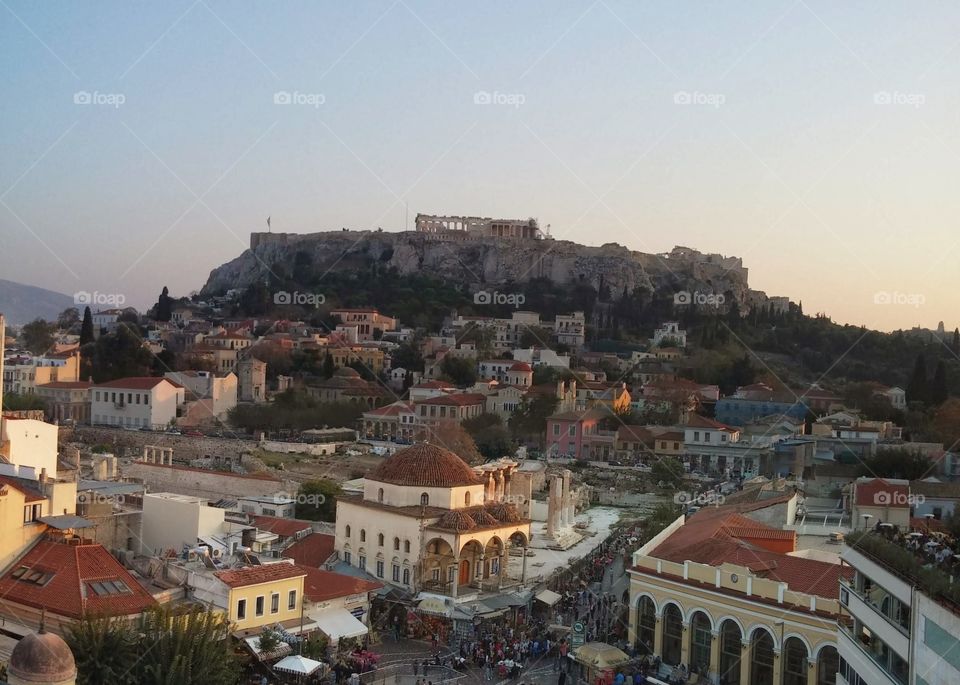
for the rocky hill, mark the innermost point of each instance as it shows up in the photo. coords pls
(21, 303)
(484, 263)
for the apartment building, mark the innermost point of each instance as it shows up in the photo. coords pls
(136, 402)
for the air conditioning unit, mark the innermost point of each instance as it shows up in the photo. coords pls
(193, 556)
(217, 553)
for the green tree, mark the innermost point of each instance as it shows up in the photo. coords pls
(535, 336)
(68, 318)
(461, 371)
(669, 471)
(119, 354)
(167, 645)
(529, 421)
(164, 309)
(917, 389)
(328, 366)
(15, 402)
(956, 341)
(37, 336)
(490, 435)
(897, 463)
(317, 500)
(939, 391)
(86, 329)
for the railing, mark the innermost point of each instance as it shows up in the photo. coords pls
(845, 584)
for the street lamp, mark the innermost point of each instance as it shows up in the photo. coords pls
(866, 520)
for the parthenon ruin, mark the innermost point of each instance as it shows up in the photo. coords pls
(474, 228)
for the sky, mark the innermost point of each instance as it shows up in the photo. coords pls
(819, 141)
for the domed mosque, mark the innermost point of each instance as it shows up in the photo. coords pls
(42, 658)
(428, 521)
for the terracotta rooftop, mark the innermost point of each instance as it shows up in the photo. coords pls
(257, 575)
(697, 421)
(425, 465)
(30, 494)
(68, 580)
(312, 551)
(67, 385)
(284, 527)
(391, 409)
(320, 586)
(877, 492)
(457, 399)
(137, 383)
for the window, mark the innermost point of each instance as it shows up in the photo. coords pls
(346, 556)
(706, 437)
(424, 499)
(696, 436)
(259, 606)
(241, 609)
(435, 574)
(98, 395)
(380, 539)
(451, 573)
(396, 544)
(556, 429)
(348, 531)
(32, 513)
(363, 535)
(572, 430)
(292, 599)
(379, 568)
(362, 563)
(380, 495)
(466, 499)
(406, 576)
(396, 573)
(406, 546)
(274, 602)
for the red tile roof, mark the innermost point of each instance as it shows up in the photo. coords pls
(425, 465)
(67, 385)
(718, 535)
(879, 493)
(391, 409)
(312, 551)
(69, 591)
(30, 494)
(320, 586)
(137, 383)
(285, 528)
(433, 385)
(257, 575)
(458, 399)
(697, 421)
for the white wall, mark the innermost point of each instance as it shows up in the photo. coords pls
(156, 408)
(32, 443)
(170, 521)
(409, 496)
(375, 522)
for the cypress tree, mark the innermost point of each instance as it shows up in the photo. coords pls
(86, 328)
(917, 389)
(939, 391)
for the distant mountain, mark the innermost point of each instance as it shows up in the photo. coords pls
(21, 303)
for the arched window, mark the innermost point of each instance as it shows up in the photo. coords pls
(700, 641)
(761, 657)
(731, 642)
(466, 499)
(424, 499)
(363, 535)
(396, 544)
(380, 539)
(647, 625)
(795, 663)
(380, 495)
(348, 531)
(672, 635)
(828, 663)
(406, 576)
(406, 546)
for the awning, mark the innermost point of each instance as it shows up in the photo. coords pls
(337, 624)
(548, 597)
(300, 665)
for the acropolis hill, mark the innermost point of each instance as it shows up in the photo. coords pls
(476, 259)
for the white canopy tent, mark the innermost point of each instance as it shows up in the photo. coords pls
(337, 624)
(548, 597)
(298, 665)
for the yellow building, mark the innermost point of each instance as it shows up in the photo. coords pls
(259, 596)
(726, 594)
(23, 379)
(372, 358)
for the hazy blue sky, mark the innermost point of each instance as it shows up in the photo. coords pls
(817, 140)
